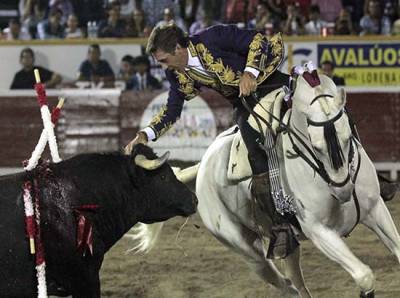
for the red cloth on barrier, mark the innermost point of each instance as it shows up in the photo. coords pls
(41, 94)
(55, 115)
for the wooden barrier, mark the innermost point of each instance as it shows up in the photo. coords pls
(91, 123)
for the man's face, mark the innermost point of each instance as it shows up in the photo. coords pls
(126, 67)
(327, 69)
(176, 61)
(26, 60)
(374, 8)
(93, 55)
(55, 19)
(314, 16)
(142, 68)
(114, 14)
(14, 30)
(72, 22)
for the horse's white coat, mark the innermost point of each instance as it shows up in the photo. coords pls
(226, 209)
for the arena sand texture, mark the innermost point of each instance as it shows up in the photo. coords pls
(196, 265)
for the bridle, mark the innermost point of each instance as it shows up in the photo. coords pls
(312, 159)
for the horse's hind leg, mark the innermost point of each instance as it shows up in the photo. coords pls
(336, 249)
(380, 221)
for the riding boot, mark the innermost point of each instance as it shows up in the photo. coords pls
(282, 241)
(388, 188)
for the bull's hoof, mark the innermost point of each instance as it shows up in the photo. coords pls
(370, 294)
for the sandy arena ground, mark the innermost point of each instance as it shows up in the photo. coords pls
(196, 265)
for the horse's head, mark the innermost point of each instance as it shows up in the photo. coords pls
(319, 108)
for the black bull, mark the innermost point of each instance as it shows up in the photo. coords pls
(124, 194)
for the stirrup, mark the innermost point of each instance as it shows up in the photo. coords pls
(282, 242)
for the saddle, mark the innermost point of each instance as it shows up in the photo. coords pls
(239, 167)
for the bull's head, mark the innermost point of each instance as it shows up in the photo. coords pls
(166, 196)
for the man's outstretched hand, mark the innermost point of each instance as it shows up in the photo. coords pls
(247, 84)
(141, 138)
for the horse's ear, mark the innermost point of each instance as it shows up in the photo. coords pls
(341, 98)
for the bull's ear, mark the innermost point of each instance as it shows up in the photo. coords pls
(151, 164)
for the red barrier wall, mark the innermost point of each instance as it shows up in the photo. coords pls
(377, 116)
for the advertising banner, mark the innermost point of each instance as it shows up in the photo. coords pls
(365, 64)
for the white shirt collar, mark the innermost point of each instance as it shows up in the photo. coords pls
(193, 61)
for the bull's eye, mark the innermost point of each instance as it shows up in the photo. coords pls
(163, 177)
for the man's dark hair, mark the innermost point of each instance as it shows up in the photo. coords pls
(28, 51)
(14, 22)
(166, 38)
(328, 63)
(141, 60)
(94, 46)
(54, 11)
(127, 58)
(315, 9)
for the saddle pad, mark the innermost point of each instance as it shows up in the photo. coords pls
(239, 167)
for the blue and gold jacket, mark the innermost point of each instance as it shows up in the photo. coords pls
(224, 51)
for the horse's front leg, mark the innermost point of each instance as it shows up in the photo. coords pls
(295, 274)
(330, 243)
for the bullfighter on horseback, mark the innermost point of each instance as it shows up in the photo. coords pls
(236, 63)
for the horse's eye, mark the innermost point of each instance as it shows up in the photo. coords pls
(163, 177)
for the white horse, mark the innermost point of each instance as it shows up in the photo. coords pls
(322, 165)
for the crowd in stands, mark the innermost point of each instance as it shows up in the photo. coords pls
(67, 19)
(134, 73)
(57, 19)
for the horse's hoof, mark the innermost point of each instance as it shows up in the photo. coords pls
(370, 294)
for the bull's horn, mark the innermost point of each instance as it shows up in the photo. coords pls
(188, 174)
(151, 164)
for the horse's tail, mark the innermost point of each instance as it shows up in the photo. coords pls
(147, 234)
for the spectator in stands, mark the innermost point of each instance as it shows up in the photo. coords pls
(142, 79)
(65, 6)
(355, 9)
(154, 9)
(374, 22)
(240, 11)
(169, 18)
(95, 69)
(294, 24)
(72, 30)
(344, 24)
(89, 11)
(32, 12)
(203, 23)
(329, 9)
(389, 10)
(136, 24)
(262, 18)
(114, 25)
(315, 25)
(277, 8)
(126, 70)
(25, 78)
(52, 27)
(14, 31)
(328, 68)
(189, 11)
(396, 27)
(127, 7)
